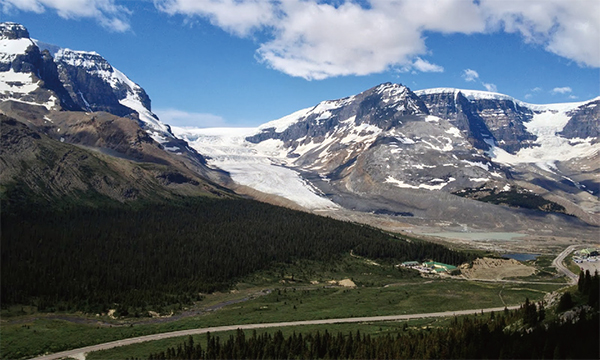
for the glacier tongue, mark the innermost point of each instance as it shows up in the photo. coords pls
(256, 166)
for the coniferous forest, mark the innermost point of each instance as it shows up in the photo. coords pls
(155, 253)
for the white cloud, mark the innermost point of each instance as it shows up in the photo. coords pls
(237, 17)
(182, 118)
(316, 40)
(106, 12)
(426, 66)
(536, 89)
(490, 87)
(562, 90)
(470, 75)
(570, 29)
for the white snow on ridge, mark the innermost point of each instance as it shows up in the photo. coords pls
(488, 95)
(253, 165)
(322, 109)
(440, 184)
(469, 94)
(285, 122)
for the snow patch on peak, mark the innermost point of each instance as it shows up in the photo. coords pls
(89, 60)
(321, 110)
(391, 90)
(12, 30)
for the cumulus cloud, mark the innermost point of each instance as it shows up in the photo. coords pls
(182, 118)
(562, 90)
(426, 66)
(490, 87)
(106, 12)
(237, 17)
(316, 40)
(470, 75)
(570, 29)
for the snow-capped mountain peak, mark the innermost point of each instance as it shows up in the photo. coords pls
(70, 79)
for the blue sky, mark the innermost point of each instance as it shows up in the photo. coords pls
(246, 62)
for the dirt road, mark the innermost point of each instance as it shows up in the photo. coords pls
(77, 353)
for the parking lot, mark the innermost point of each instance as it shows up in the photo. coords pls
(592, 263)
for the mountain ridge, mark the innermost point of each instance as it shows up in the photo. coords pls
(377, 150)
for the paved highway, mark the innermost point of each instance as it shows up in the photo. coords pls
(77, 353)
(558, 264)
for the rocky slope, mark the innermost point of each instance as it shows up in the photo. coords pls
(37, 168)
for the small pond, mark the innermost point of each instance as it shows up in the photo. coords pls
(521, 256)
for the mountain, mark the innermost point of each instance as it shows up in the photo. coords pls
(445, 158)
(78, 98)
(462, 158)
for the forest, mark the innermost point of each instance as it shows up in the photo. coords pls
(150, 254)
(517, 334)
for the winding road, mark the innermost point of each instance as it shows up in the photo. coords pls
(558, 264)
(79, 353)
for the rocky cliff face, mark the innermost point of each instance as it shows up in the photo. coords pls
(482, 117)
(583, 122)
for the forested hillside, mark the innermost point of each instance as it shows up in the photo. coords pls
(149, 254)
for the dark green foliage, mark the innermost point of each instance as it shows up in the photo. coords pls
(565, 302)
(589, 286)
(147, 256)
(471, 338)
(513, 197)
